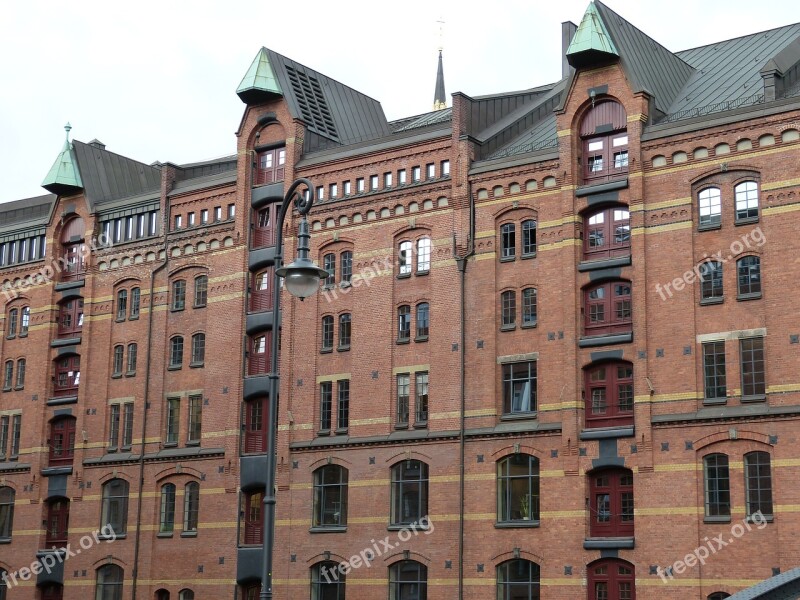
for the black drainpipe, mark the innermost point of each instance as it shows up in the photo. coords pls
(461, 262)
(137, 543)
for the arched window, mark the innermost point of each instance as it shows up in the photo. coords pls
(198, 349)
(709, 207)
(608, 308)
(345, 330)
(200, 291)
(423, 321)
(717, 486)
(611, 503)
(346, 264)
(518, 579)
(329, 264)
(404, 258)
(409, 492)
(122, 304)
(508, 308)
(24, 320)
(423, 255)
(70, 317)
(115, 506)
(711, 288)
(176, 352)
(528, 238)
(162, 594)
(3, 587)
(191, 506)
(133, 351)
(253, 516)
(609, 395)
(327, 582)
(62, 441)
(118, 360)
(255, 425)
(136, 299)
(327, 332)
(758, 483)
(748, 270)
(403, 323)
(607, 233)
(261, 291)
(330, 496)
(167, 520)
(529, 314)
(8, 375)
(611, 579)
(258, 360)
(746, 194)
(178, 294)
(186, 594)
(408, 579)
(109, 583)
(6, 512)
(13, 320)
(57, 522)
(718, 596)
(508, 240)
(20, 374)
(605, 142)
(518, 489)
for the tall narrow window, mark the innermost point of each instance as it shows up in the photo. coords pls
(173, 420)
(13, 319)
(611, 508)
(345, 329)
(6, 512)
(24, 321)
(113, 426)
(16, 432)
(258, 360)
(195, 427)
(711, 281)
(178, 294)
(746, 201)
(127, 425)
(343, 417)
(133, 351)
(109, 583)
(176, 352)
(70, 317)
(200, 291)
(20, 374)
(191, 506)
(167, 521)
(423, 255)
(8, 375)
(508, 241)
(403, 398)
(329, 264)
(518, 489)
(4, 434)
(68, 376)
(263, 232)
(409, 492)
(408, 579)
(528, 237)
(748, 270)
(758, 483)
(404, 258)
(253, 510)
(508, 306)
(416, 173)
(260, 294)
(710, 207)
(421, 398)
(423, 321)
(198, 349)
(518, 579)
(403, 323)
(325, 405)
(754, 384)
(115, 506)
(119, 355)
(327, 332)
(519, 387)
(346, 260)
(57, 522)
(271, 166)
(255, 429)
(529, 307)
(122, 305)
(135, 302)
(605, 142)
(717, 486)
(714, 370)
(330, 496)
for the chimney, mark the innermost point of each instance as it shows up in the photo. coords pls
(568, 29)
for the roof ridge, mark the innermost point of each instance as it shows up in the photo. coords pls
(739, 37)
(76, 141)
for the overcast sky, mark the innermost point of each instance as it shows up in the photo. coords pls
(157, 80)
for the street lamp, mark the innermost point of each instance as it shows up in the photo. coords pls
(302, 279)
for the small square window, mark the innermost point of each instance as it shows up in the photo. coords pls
(334, 191)
(387, 180)
(204, 216)
(373, 183)
(178, 223)
(401, 177)
(217, 213)
(190, 219)
(347, 190)
(416, 173)
(320, 193)
(360, 185)
(430, 170)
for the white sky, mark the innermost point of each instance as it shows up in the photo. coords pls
(157, 80)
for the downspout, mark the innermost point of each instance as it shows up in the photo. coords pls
(461, 262)
(137, 543)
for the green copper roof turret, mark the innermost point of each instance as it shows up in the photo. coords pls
(64, 176)
(592, 43)
(259, 83)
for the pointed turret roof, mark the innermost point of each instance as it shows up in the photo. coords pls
(64, 176)
(439, 97)
(592, 42)
(259, 83)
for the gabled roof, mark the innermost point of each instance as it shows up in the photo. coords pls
(785, 586)
(64, 176)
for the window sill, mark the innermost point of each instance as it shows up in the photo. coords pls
(130, 374)
(753, 398)
(199, 306)
(5, 540)
(528, 256)
(521, 524)
(111, 538)
(345, 284)
(424, 273)
(326, 351)
(19, 387)
(116, 375)
(403, 341)
(714, 401)
(520, 416)
(606, 339)
(404, 275)
(510, 327)
(174, 309)
(720, 519)
(174, 367)
(609, 543)
(508, 259)
(7, 389)
(133, 318)
(170, 444)
(747, 221)
(340, 431)
(328, 529)
(421, 338)
(714, 300)
(709, 227)
(528, 325)
(24, 334)
(11, 337)
(191, 443)
(119, 320)
(343, 348)
(188, 534)
(125, 449)
(746, 297)
(590, 263)
(606, 433)
(324, 432)
(111, 449)
(416, 525)
(401, 426)
(168, 534)
(421, 425)
(764, 519)
(196, 365)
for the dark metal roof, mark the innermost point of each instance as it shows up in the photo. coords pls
(207, 167)
(543, 135)
(729, 71)
(785, 586)
(27, 211)
(109, 176)
(338, 114)
(649, 65)
(431, 118)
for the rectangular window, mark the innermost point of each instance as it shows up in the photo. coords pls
(343, 418)
(758, 483)
(127, 425)
(714, 370)
(373, 183)
(16, 430)
(113, 426)
(718, 486)
(173, 419)
(519, 387)
(333, 191)
(445, 168)
(204, 216)
(217, 213)
(416, 174)
(360, 185)
(401, 177)
(200, 291)
(190, 219)
(329, 264)
(320, 193)
(325, 404)
(136, 299)
(178, 223)
(195, 418)
(387, 180)
(347, 188)
(421, 399)
(153, 223)
(4, 428)
(752, 362)
(118, 360)
(231, 211)
(346, 260)
(430, 170)
(403, 398)
(178, 294)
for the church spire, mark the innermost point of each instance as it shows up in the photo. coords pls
(439, 97)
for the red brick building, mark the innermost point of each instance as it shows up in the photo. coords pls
(555, 357)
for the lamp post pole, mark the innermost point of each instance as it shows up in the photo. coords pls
(302, 280)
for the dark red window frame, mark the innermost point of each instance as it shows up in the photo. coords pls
(62, 441)
(52, 591)
(609, 238)
(253, 508)
(258, 362)
(602, 127)
(256, 413)
(271, 166)
(608, 308)
(67, 375)
(609, 394)
(261, 290)
(70, 317)
(611, 503)
(612, 579)
(74, 262)
(264, 226)
(57, 522)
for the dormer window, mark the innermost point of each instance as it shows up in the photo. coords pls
(604, 139)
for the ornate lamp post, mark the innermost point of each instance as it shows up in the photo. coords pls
(302, 278)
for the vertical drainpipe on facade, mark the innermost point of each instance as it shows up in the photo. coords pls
(146, 400)
(461, 262)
